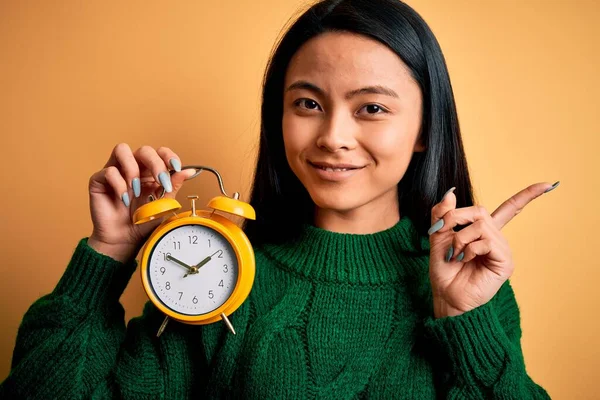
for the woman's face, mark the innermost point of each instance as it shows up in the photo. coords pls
(351, 120)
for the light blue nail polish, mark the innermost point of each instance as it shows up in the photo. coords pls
(125, 198)
(175, 164)
(165, 181)
(452, 189)
(137, 187)
(450, 253)
(552, 187)
(460, 256)
(436, 227)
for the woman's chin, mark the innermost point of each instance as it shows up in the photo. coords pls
(337, 203)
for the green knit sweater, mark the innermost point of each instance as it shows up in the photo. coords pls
(330, 316)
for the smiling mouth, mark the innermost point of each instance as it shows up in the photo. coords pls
(334, 168)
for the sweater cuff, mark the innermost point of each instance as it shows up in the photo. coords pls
(92, 279)
(474, 343)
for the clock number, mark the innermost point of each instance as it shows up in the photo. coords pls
(195, 300)
(208, 242)
(168, 285)
(193, 239)
(220, 254)
(210, 294)
(177, 245)
(162, 270)
(221, 283)
(225, 269)
(167, 255)
(180, 295)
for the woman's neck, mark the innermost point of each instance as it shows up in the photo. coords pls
(378, 215)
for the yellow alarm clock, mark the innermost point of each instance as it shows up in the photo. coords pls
(197, 267)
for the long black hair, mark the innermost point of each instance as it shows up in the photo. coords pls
(282, 203)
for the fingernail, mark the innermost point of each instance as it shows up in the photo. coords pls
(137, 187)
(436, 227)
(552, 187)
(452, 189)
(125, 198)
(450, 253)
(165, 181)
(460, 256)
(175, 164)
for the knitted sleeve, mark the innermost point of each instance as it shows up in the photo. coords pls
(482, 351)
(68, 340)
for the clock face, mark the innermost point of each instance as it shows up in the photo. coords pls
(193, 269)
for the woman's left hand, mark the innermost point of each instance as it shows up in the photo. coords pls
(468, 267)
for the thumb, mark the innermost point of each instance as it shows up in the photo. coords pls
(177, 180)
(447, 203)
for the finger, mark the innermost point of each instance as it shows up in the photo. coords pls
(112, 160)
(465, 216)
(170, 158)
(178, 178)
(110, 178)
(513, 206)
(447, 203)
(150, 159)
(122, 157)
(479, 230)
(478, 248)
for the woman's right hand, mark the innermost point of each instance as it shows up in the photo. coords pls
(123, 185)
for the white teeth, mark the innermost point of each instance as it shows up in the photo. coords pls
(330, 169)
(334, 169)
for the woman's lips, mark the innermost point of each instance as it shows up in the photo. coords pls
(334, 172)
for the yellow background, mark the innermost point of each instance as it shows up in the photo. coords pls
(76, 78)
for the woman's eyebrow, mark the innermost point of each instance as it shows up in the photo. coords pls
(376, 89)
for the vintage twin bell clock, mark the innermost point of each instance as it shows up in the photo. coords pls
(197, 266)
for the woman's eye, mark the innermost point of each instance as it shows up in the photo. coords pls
(307, 103)
(374, 109)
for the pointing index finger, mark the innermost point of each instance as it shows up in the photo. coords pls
(513, 206)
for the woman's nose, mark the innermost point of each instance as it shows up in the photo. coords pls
(337, 133)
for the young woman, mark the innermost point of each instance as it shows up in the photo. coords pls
(377, 276)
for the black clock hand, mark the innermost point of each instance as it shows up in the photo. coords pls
(207, 259)
(191, 270)
(195, 268)
(203, 262)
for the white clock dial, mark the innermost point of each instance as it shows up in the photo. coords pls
(197, 293)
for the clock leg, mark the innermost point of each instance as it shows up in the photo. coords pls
(227, 322)
(162, 326)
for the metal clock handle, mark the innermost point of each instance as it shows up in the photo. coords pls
(199, 169)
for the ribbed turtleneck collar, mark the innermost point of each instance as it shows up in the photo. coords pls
(377, 258)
